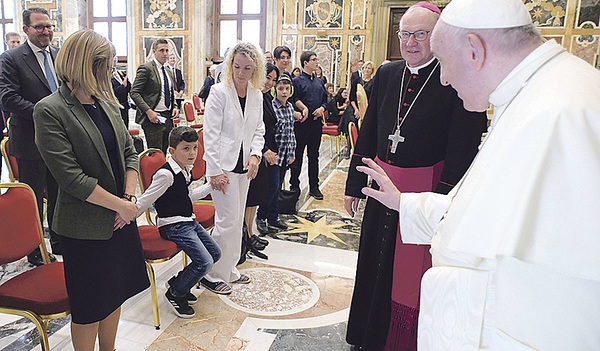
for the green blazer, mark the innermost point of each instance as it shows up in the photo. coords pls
(146, 89)
(73, 149)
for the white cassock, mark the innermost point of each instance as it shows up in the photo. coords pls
(516, 245)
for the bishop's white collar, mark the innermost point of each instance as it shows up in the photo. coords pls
(415, 70)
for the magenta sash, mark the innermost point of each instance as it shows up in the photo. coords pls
(410, 261)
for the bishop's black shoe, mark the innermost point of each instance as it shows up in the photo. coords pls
(263, 226)
(277, 223)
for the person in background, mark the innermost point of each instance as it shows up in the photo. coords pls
(173, 196)
(319, 73)
(179, 89)
(268, 57)
(233, 139)
(27, 75)
(358, 73)
(82, 139)
(12, 40)
(296, 72)
(337, 106)
(208, 82)
(330, 88)
(366, 85)
(309, 94)
(257, 194)
(420, 133)
(153, 94)
(268, 212)
(121, 87)
(283, 58)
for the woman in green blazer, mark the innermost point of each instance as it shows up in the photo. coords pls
(85, 145)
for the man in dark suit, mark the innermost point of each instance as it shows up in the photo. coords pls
(356, 75)
(121, 87)
(179, 82)
(26, 76)
(153, 94)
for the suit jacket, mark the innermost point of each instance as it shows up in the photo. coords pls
(146, 89)
(22, 85)
(73, 149)
(226, 128)
(179, 82)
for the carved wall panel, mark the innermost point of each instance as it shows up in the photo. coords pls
(323, 13)
(53, 6)
(586, 48)
(328, 51)
(358, 14)
(547, 13)
(163, 14)
(588, 14)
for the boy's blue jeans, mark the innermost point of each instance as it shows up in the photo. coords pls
(270, 208)
(195, 241)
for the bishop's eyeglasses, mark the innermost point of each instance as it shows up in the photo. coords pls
(419, 35)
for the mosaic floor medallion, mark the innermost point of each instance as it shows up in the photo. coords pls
(273, 292)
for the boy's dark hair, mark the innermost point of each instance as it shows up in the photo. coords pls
(281, 48)
(283, 79)
(305, 57)
(27, 14)
(159, 41)
(182, 133)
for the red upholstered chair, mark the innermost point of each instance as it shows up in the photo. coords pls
(331, 131)
(11, 161)
(190, 116)
(353, 130)
(156, 249)
(38, 294)
(203, 209)
(198, 104)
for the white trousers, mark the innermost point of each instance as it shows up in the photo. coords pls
(229, 218)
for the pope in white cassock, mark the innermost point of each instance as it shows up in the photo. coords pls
(515, 245)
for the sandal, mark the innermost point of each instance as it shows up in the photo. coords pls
(217, 287)
(243, 279)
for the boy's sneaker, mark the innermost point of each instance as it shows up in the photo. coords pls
(191, 298)
(180, 305)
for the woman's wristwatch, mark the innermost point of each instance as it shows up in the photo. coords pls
(130, 197)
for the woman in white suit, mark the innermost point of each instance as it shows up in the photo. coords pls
(233, 140)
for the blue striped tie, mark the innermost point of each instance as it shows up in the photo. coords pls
(49, 74)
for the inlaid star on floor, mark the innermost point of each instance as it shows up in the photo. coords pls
(320, 227)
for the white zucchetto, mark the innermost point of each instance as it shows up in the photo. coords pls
(486, 14)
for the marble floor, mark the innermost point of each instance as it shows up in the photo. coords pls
(298, 300)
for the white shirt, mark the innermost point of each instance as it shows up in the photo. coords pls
(161, 107)
(161, 181)
(40, 58)
(515, 257)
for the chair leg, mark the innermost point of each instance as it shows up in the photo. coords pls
(185, 259)
(42, 327)
(154, 296)
(330, 147)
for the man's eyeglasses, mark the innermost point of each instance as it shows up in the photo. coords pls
(314, 59)
(419, 35)
(40, 27)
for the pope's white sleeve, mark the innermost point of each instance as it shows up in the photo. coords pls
(420, 213)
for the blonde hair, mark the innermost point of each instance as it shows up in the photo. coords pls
(372, 67)
(85, 61)
(256, 58)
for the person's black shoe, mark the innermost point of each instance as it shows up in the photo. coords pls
(37, 260)
(316, 193)
(258, 254)
(262, 241)
(262, 226)
(278, 223)
(191, 298)
(255, 244)
(180, 305)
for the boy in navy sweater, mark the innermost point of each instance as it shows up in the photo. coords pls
(172, 195)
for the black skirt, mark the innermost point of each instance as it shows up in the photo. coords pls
(259, 186)
(102, 274)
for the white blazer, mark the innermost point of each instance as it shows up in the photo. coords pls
(226, 129)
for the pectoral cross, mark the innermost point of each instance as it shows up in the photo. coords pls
(395, 138)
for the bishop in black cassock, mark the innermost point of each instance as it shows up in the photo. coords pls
(439, 141)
